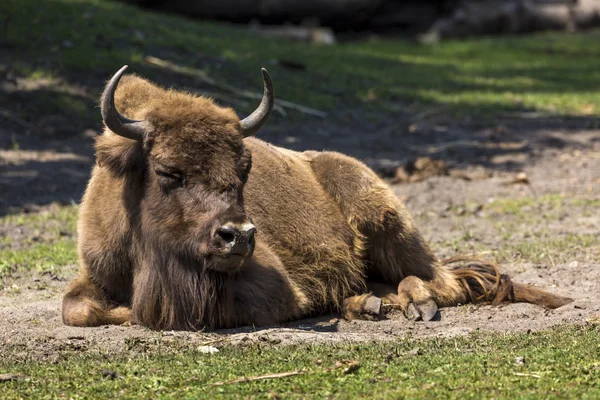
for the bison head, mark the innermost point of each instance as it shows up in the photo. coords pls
(192, 168)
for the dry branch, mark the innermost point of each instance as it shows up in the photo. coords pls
(259, 377)
(203, 77)
(223, 339)
(10, 116)
(528, 375)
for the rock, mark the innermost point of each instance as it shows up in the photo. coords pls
(519, 360)
(207, 349)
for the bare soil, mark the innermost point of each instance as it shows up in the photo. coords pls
(558, 157)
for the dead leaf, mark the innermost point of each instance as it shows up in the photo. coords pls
(419, 170)
(593, 320)
(371, 95)
(521, 177)
(349, 366)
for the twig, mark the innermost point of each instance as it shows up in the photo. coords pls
(232, 100)
(8, 115)
(529, 375)
(214, 341)
(259, 377)
(242, 93)
(11, 377)
(533, 114)
(426, 114)
(222, 97)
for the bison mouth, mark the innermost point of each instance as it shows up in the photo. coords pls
(229, 261)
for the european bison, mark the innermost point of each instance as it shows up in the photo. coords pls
(188, 222)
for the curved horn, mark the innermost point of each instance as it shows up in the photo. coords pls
(253, 122)
(117, 123)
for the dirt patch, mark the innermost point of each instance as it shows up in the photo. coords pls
(444, 208)
(463, 204)
(32, 328)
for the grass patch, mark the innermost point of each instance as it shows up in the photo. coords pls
(63, 216)
(81, 39)
(40, 257)
(562, 363)
(548, 204)
(553, 250)
(532, 218)
(528, 229)
(38, 241)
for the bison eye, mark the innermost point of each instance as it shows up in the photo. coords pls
(169, 175)
(169, 180)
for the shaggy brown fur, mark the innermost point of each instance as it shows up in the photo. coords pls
(329, 230)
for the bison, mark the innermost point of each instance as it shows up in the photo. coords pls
(188, 222)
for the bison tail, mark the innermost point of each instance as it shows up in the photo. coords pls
(482, 282)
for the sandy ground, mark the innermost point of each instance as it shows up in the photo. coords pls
(558, 157)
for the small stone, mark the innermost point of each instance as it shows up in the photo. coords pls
(207, 349)
(519, 360)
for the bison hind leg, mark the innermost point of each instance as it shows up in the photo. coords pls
(85, 305)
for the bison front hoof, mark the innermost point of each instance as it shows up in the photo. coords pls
(372, 306)
(425, 311)
(366, 307)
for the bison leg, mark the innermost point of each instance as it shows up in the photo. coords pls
(412, 297)
(365, 306)
(84, 304)
(397, 254)
(395, 249)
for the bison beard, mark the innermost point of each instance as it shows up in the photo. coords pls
(175, 293)
(168, 227)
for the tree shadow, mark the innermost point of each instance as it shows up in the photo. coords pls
(48, 124)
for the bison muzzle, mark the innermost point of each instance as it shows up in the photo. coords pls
(188, 222)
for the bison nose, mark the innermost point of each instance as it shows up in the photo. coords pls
(237, 241)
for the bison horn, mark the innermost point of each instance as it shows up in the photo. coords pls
(253, 122)
(117, 123)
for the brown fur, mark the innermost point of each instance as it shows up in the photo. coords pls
(329, 230)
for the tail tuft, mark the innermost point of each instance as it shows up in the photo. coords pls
(483, 283)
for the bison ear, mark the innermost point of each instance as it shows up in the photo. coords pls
(253, 122)
(119, 156)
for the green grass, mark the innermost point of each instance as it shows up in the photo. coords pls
(531, 215)
(549, 204)
(41, 257)
(562, 363)
(47, 245)
(528, 230)
(64, 217)
(73, 46)
(553, 250)
(79, 40)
